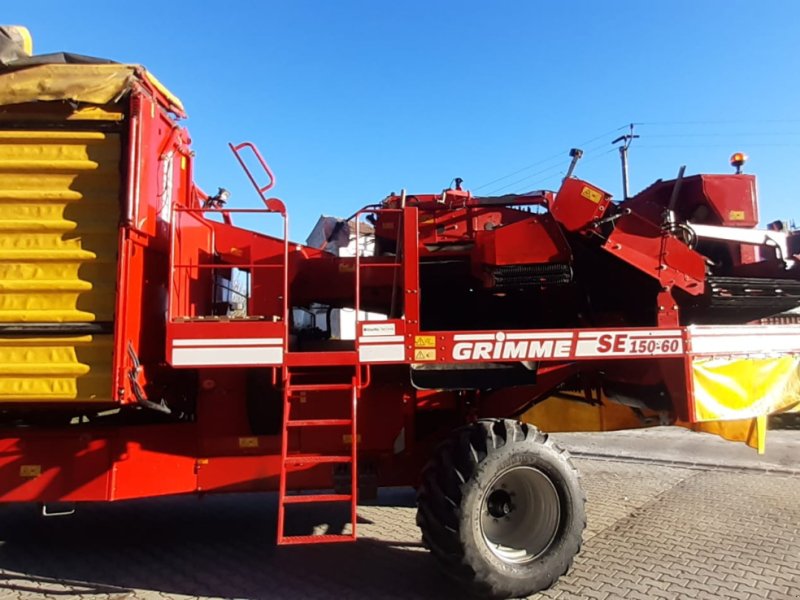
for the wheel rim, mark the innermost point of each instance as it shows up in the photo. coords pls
(520, 514)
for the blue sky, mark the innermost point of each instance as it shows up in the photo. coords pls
(351, 100)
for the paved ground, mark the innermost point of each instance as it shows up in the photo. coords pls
(654, 532)
(676, 445)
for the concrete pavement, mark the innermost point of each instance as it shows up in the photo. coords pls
(681, 446)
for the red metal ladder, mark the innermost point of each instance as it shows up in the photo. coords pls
(293, 392)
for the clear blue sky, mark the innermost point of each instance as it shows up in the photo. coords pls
(350, 100)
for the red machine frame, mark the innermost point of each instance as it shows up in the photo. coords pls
(177, 251)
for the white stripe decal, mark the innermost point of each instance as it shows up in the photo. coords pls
(755, 330)
(377, 339)
(210, 357)
(539, 336)
(382, 353)
(229, 342)
(473, 336)
(744, 343)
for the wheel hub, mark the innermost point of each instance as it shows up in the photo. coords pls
(499, 504)
(521, 514)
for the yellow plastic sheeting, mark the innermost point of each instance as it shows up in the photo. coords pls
(59, 220)
(93, 84)
(560, 415)
(746, 388)
(557, 414)
(56, 369)
(752, 432)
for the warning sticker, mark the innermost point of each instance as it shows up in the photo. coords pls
(425, 341)
(424, 354)
(248, 442)
(591, 194)
(736, 215)
(30, 470)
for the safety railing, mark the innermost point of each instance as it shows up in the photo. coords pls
(179, 300)
(405, 264)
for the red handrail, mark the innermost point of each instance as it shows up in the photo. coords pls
(272, 204)
(358, 265)
(198, 214)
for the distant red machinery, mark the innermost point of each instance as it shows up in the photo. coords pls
(150, 346)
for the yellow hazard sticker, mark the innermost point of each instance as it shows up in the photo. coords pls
(425, 341)
(424, 354)
(591, 194)
(30, 470)
(347, 438)
(736, 215)
(248, 442)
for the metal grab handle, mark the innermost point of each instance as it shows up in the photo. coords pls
(260, 189)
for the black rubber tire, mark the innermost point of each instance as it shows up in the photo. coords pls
(450, 501)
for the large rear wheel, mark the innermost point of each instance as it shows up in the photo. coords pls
(501, 507)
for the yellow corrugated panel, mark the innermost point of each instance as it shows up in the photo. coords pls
(59, 218)
(54, 112)
(56, 369)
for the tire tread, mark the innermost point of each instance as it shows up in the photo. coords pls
(444, 479)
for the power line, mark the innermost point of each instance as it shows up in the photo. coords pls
(559, 175)
(558, 165)
(719, 134)
(749, 145)
(558, 156)
(719, 122)
(548, 159)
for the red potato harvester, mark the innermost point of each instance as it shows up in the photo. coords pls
(150, 346)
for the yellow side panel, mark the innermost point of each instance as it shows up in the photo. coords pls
(59, 219)
(56, 369)
(558, 414)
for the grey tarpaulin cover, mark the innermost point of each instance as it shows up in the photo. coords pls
(13, 55)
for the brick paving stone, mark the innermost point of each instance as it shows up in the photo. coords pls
(653, 532)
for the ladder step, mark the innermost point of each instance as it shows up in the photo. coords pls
(310, 498)
(289, 540)
(320, 387)
(319, 423)
(315, 459)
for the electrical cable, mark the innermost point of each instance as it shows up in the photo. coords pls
(719, 122)
(558, 165)
(717, 134)
(749, 145)
(548, 159)
(560, 175)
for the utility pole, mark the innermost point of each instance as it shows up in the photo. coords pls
(623, 155)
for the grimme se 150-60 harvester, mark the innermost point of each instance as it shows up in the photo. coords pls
(150, 346)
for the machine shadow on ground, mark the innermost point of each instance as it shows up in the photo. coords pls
(213, 546)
